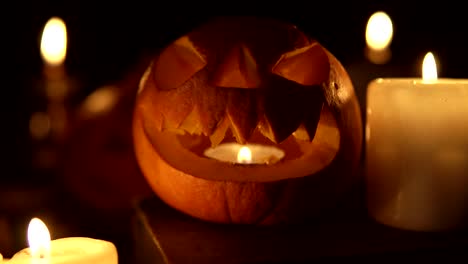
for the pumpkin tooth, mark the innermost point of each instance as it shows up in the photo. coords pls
(301, 133)
(308, 65)
(265, 128)
(211, 103)
(220, 132)
(239, 70)
(241, 110)
(328, 133)
(314, 113)
(191, 123)
(177, 64)
(176, 104)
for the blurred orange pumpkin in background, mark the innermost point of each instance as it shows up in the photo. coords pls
(98, 162)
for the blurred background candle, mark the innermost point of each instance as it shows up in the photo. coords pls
(47, 125)
(379, 34)
(70, 250)
(57, 84)
(417, 151)
(376, 59)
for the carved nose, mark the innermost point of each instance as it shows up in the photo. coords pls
(307, 66)
(177, 64)
(237, 70)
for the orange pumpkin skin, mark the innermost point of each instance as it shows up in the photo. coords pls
(209, 189)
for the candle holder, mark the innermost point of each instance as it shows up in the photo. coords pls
(270, 86)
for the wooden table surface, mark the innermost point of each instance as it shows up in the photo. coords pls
(164, 235)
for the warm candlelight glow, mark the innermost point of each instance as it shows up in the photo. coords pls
(244, 155)
(54, 42)
(379, 31)
(102, 100)
(429, 68)
(38, 239)
(69, 250)
(379, 34)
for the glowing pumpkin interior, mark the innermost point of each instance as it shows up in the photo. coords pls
(243, 96)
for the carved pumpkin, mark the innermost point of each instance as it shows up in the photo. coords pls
(247, 80)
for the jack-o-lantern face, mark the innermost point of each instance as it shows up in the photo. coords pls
(243, 80)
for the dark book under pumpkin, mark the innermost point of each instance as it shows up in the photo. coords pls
(164, 235)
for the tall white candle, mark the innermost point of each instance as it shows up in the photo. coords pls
(70, 250)
(417, 151)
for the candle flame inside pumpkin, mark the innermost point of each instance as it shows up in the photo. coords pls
(38, 239)
(244, 155)
(54, 42)
(379, 31)
(429, 68)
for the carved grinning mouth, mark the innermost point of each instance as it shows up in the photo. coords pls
(237, 98)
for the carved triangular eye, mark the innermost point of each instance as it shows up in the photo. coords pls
(237, 70)
(307, 66)
(177, 64)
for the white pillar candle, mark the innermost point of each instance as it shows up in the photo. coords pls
(245, 154)
(70, 250)
(417, 151)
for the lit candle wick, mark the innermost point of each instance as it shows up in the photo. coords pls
(39, 239)
(244, 155)
(429, 68)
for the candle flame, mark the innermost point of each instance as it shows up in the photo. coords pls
(54, 42)
(429, 68)
(244, 155)
(379, 31)
(38, 239)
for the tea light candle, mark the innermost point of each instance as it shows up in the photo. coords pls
(245, 154)
(70, 250)
(417, 151)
